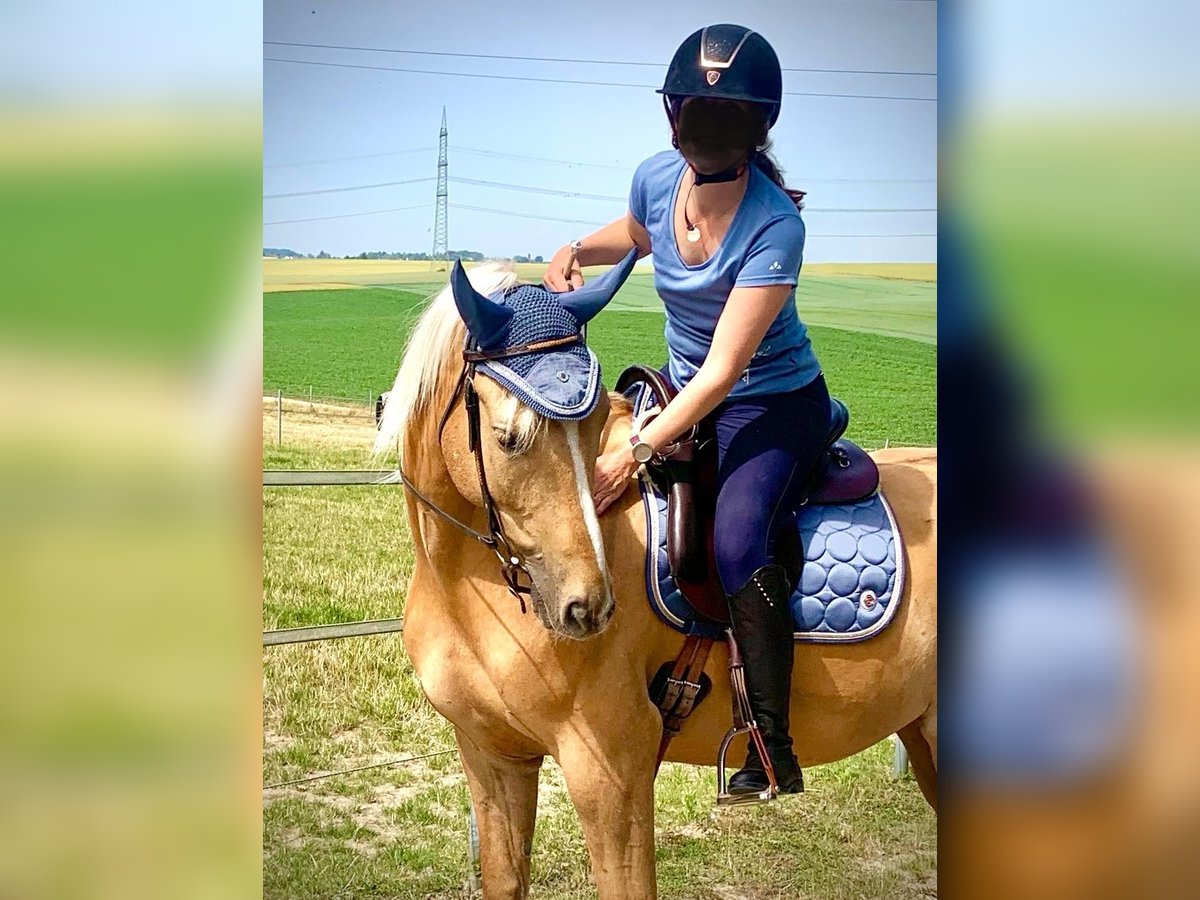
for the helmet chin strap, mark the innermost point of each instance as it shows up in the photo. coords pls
(730, 174)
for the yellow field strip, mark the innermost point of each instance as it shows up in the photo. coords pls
(338, 274)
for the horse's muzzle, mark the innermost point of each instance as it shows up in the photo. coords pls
(584, 617)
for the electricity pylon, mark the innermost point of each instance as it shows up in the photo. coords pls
(440, 249)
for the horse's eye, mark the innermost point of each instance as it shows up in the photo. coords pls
(507, 440)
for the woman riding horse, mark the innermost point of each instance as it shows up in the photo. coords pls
(728, 240)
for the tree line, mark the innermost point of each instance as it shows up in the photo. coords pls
(465, 255)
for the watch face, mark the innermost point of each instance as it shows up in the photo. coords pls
(642, 453)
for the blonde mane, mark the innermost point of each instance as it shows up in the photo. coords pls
(436, 337)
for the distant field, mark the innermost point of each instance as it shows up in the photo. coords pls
(900, 271)
(347, 344)
(282, 274)
(898, 300)
(279, 273)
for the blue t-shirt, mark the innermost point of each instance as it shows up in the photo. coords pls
(764, 245)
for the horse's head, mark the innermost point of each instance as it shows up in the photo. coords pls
(542, 410)
(539, 474)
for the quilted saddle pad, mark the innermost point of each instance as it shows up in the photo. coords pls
(852, 581)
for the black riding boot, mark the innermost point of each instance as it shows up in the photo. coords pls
(762, 626)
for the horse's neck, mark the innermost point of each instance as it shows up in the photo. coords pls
(425, 466)
(619, 424)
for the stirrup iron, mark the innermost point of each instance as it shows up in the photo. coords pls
(743, 723)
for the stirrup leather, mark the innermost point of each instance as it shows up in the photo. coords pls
(743, 723)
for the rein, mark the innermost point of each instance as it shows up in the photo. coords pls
(511, 563)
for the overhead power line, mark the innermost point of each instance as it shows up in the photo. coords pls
(577, 195)
(335, 65)
(509, 212)
(370, 212)
(859, 209)
(474, 151)
(311, 62)
(804, 179)
(335, 159)
(560, 59)
(539, 159)
(536, 190)
(338, 190)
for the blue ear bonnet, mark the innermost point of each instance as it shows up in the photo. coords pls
(563, 383)
(559, 383)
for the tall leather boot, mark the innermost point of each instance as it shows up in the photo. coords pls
(762, 626)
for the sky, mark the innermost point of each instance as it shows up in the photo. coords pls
(868, 164)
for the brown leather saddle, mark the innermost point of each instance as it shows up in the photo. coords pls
(687, 476)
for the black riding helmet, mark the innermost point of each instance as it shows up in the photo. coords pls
(726, 62)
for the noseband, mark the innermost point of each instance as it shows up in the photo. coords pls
(511, 563)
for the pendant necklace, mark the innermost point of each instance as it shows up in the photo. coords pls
(693, 229)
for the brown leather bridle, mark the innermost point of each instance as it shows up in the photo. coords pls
(511, 563)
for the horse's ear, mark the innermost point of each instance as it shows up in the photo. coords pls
(583, 303)
(485, 319)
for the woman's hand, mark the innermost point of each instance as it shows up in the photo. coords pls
(613, 471)
(555, 280)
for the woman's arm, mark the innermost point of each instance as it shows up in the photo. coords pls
(748, 314)
(607, 246)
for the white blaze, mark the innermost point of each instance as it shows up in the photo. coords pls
(585, 499)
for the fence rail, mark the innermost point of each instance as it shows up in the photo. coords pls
(330, 632)
(306, 394)
(316, 478)
(325, 477)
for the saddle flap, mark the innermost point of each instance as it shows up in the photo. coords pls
(690, 550)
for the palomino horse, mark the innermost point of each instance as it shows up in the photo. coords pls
(572, 680)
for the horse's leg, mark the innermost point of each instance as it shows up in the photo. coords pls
(928, 724)
(922, 754)
(504, 794)
(610, 777)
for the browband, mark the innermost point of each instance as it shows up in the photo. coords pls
(521, 349)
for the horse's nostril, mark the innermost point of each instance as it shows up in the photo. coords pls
(577, 611)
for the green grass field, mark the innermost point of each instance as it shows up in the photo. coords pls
(347, 343)
(343, 554)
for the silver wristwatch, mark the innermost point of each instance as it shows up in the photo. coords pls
(642, 452)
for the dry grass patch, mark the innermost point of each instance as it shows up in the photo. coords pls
(316, 424)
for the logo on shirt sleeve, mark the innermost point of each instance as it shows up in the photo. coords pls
(774, 267)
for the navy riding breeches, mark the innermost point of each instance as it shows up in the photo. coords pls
(767, 447)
